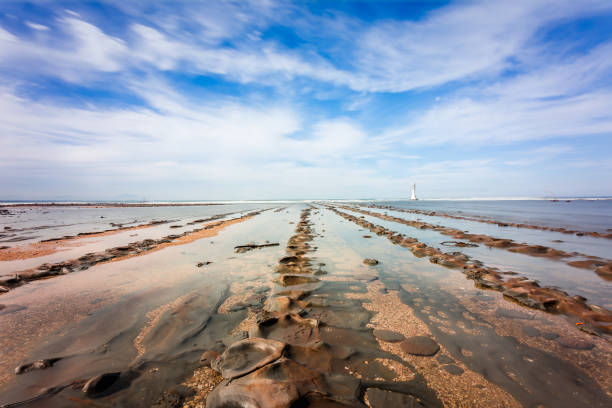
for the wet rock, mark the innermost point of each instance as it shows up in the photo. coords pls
(174, 397)
(590, 329)
(248, 247)
(238, 336)
(277, 385)
(388, 336)
(254, 300)
(288, 328)
(453, 369)
(290, 280)
(605, 272)
(459, 244)
(343, 352)
(207, 358)
(575, 343)
(8, 280)
(550, 336)
(182, 390)
(246, 356)
(289, 259)
(237, 307)
(169, 400)
(420, 346)
(531, 331)
(100, 383)
(442, 359)
(36, 365)
(513, 314)
(279, 304)
(370, 261)
(386, 399)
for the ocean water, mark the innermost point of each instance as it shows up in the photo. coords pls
(580, 215)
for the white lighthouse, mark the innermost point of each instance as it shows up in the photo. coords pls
(413, 195)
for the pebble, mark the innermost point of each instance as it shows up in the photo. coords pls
(453, 369)
(442, 359)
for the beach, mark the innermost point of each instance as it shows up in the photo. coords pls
(307, 304)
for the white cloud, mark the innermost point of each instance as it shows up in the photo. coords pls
(36, 26)
(255, 143)
(562, 99)
(453, 43)
(87, 52)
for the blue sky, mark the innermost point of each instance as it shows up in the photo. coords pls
(274, 99)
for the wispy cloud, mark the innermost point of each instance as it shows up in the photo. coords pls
(317, 95)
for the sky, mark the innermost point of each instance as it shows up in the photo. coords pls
(236, 100)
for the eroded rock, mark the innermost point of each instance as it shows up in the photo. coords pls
(36, 365)
(246, 356)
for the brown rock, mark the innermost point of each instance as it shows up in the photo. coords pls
(208, 357)
(388, 335)
(575, 343)
(100, 383)
(420, 346)
(290, 280)
(246, 356)
(386, 399)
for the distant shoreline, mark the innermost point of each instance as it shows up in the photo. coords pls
(106, 204)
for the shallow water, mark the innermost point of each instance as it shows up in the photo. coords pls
(587, 245)
(587, 215)
(139, 284)
(32, 224)
(151, 316)
(506, 360)
(548, 272)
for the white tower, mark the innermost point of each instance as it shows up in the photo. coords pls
(413, 195)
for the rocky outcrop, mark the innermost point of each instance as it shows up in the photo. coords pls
(498, 223)
(521, 290)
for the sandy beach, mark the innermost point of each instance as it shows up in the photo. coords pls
(322, 305)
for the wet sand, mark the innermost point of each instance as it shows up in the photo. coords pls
(339, 313)
(50, 246)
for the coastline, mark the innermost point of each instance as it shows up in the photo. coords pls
(347, 313)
